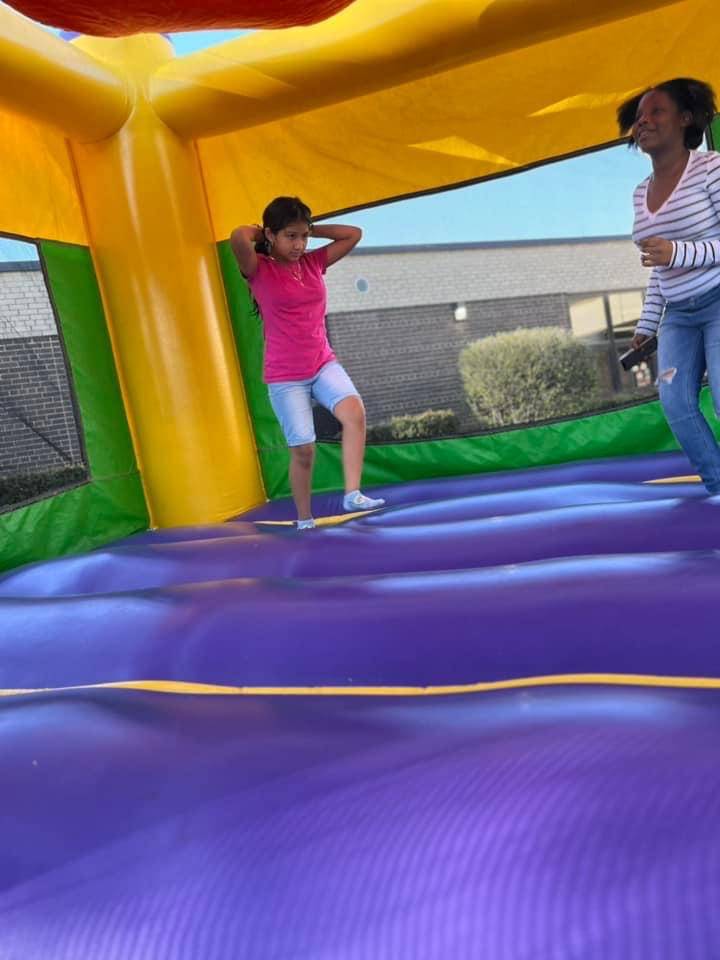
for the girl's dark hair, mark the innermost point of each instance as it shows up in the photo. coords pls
(279, 213)
(696, 97)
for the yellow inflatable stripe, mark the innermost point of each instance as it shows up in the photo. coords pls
(692, 479)
(221, 690)
(319, 521)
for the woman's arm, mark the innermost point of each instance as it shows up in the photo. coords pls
(343, 236)
(242, 241)
(702, 253)
(689, 254)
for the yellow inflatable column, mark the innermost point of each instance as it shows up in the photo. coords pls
(152, 241)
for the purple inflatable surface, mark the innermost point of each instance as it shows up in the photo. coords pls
(570, 811)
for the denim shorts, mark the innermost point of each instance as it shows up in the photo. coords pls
(292, 400)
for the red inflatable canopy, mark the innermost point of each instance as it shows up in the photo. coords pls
(118, 18)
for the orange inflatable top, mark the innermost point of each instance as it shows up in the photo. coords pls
(118, 18)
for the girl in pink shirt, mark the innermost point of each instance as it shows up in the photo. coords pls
(288, 286)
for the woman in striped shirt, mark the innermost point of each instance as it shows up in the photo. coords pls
(677, 229)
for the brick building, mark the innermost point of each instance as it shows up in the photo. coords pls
(38, 430)
(417, 307)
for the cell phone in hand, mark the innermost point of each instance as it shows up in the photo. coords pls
(646, 349)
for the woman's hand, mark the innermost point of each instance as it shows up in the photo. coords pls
(638, 340)
(656, 252)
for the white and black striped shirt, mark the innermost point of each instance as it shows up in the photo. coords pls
(690, 217)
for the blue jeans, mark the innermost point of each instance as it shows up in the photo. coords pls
(689, 344)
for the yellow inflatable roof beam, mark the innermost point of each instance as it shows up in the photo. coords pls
(372, 45)
(552, 97)
(51, 81)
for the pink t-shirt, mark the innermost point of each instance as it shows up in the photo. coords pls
(292, 301)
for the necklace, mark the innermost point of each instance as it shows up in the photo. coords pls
(294, 269)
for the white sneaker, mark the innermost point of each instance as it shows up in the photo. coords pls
(308, 524)
(358, 501)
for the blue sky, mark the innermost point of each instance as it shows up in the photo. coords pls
(583, 196)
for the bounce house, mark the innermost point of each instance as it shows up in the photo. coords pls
(481, 722)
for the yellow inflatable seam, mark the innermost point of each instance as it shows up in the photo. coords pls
(210, 689)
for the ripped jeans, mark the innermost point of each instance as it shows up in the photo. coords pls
(688, 344)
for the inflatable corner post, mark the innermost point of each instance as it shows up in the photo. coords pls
(116, 201)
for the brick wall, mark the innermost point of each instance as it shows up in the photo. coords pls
(37, 421)
(34, 388)
(25, 309)
(405, 360)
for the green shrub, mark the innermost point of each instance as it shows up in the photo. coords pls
(379, 432)
(416, 426)
(527, 375)
(29, 486)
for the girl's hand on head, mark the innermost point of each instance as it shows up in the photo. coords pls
(656, 252)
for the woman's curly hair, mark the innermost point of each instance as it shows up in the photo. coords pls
(693, 96)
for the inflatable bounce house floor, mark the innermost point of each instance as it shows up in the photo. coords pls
(478, 723)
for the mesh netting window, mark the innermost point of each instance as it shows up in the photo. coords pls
(41, 448)
(467, 337)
